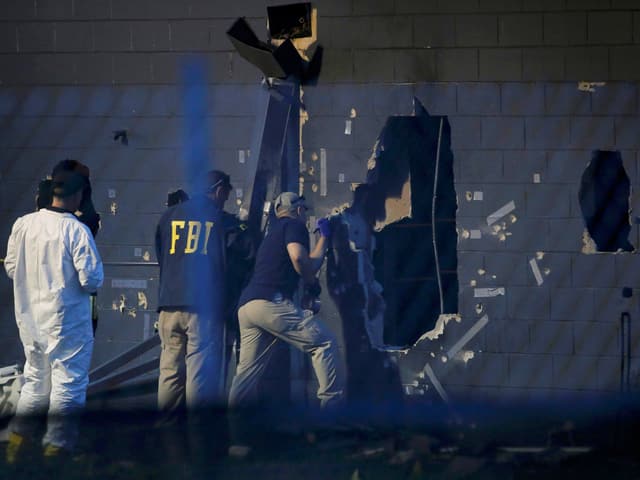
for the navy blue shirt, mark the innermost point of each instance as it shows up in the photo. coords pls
(274, 272)
(190, 251)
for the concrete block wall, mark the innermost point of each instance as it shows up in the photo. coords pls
(506, 73)
(526, 142)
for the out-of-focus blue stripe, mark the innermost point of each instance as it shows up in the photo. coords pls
(196, 163)
(196, 128)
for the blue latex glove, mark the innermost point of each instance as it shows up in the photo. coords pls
(324, 226)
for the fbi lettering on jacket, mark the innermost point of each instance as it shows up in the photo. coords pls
(192, 233)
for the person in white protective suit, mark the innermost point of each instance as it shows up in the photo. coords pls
(55, 266)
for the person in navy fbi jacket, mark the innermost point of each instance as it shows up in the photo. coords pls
(190, 250)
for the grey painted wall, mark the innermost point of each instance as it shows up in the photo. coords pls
(506, 73)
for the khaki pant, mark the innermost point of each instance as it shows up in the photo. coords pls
(190, 360)
(262, 323)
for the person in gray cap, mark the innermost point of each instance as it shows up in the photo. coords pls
(267, 311)
(55, 266)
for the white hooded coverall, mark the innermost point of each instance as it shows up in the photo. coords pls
(54, 264)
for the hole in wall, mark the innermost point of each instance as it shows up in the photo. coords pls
(408, 205)
(604, 201)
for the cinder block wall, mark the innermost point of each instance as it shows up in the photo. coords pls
(506, 73)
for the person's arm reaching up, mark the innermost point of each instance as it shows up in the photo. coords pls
(305, 263)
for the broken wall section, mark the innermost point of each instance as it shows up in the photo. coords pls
(415, 260)
(520, 150)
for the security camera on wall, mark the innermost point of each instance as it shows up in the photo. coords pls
(280, 58)
(290, 21)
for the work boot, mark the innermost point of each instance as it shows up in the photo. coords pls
(55, 455)
(15, 448)
(239, 452)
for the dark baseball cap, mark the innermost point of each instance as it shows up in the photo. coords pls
(65, 183)
(217, 178)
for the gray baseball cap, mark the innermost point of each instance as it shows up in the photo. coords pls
(287, 201)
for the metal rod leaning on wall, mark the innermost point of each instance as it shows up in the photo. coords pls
(106, 368)
(121, 377)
